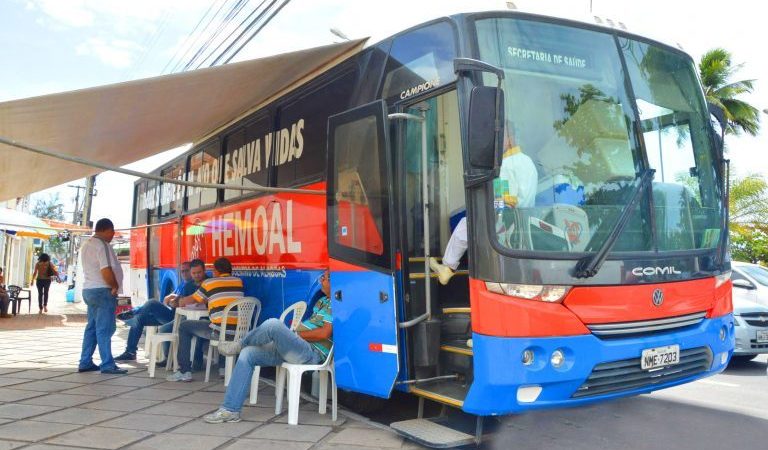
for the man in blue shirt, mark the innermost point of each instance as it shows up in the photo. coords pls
(271, 344)
(154, 312)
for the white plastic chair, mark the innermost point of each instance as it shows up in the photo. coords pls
(152, 345)
(298, 310)
(294, 373)
(245, 316)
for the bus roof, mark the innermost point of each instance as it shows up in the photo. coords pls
(118, 124)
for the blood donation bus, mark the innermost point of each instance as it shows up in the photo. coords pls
(610, 280)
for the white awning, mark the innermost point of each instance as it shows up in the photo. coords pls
(121, 123)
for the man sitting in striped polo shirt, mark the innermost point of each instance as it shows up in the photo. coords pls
(217, 293)
(271, 344)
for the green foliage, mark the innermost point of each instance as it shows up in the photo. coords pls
(715, 70)
(49, 208)
(748, 225)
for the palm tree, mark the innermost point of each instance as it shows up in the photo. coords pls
(716, 70)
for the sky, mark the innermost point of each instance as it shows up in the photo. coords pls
(60, 45)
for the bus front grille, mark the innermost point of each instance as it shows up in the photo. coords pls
(646, 326)
(624, 375)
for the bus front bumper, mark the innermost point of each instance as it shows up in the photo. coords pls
(504, 385)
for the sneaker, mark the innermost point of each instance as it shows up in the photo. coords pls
(45, 309)
(444, 273)
(222, 415)
(126, 356)
(179, 376)
(125, 315)
(115, 371)
(91, 368)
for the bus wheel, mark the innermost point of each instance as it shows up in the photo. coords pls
(361, 403)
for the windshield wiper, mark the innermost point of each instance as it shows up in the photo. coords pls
(588, 266)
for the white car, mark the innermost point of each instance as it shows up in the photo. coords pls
(750, 310)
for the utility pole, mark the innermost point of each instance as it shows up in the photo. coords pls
(90, 192)
(76, 213)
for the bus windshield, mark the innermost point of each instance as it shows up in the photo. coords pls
(585, 113)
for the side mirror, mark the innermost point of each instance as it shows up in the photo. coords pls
(484, 139)
(743, 284)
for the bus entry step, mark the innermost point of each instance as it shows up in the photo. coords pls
(432, 434)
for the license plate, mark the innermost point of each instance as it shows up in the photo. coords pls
(762, 335)
(653, 358)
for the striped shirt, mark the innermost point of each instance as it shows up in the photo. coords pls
(218, 293)
(321, 314)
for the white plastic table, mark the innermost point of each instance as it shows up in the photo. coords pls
(185, 313)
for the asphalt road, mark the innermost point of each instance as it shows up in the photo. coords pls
(727, 411)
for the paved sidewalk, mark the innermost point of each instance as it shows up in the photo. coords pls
(46, 405)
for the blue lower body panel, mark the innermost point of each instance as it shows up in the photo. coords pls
(500, 373)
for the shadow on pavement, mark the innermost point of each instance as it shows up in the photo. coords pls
(746, 368)
(636, 423)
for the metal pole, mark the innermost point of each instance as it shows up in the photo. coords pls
(425, 210)
(426, 207)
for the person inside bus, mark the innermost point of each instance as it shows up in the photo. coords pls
(273, 343)
(155, 313)
(216, 293)
(518, 179)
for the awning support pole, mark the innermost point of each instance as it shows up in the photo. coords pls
(74, 159)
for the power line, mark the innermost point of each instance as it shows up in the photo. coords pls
(227, 19)
(204, 33)
(188, 39)
(223, 41)
(285, 2)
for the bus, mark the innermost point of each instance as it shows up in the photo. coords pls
(613, 280)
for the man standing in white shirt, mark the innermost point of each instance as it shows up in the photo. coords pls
(102, 277)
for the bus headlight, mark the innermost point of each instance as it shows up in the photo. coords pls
(722, 278)
(543, 293)
(557, 359)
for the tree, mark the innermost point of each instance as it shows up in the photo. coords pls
(748, 227)
(49, 208)
(716, 70)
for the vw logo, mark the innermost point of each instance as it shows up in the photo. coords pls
(658, 297)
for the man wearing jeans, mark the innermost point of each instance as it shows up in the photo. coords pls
(154, 313)
(217, 293)
(102, 277)
(271, 344)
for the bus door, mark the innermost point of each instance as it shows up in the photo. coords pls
(360, 247)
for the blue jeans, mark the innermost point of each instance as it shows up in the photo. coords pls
(101, 326)
(150, 314)
(269, 344)
(188, 329)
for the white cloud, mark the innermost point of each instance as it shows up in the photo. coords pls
(72, 13)
(116, 52)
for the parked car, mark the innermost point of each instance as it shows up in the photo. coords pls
(750, 310)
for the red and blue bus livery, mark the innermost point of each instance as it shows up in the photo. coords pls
(613, 280)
